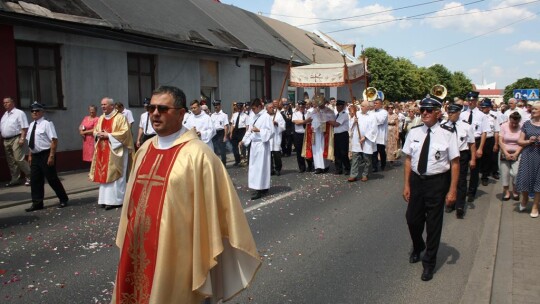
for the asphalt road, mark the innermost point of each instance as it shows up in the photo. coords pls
(322, 240)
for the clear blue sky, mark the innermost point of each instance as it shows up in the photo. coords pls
(495, 40)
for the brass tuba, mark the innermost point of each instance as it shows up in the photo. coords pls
(439, 91)
(370, 94)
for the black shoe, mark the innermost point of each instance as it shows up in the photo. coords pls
(34, 207)
(256, 195)
(449, 209)
(236, 164)
(415, 255)
(338, 172)
(278, 173)
(485, 182)
(375, 170)
(347, 172)
(273, 173)
(496, 175)
(318, 171)
(62, 205)
(110, 207)
(102, 206)
(309, 169)
(301, 170)
(470, 198)
(460, 213)
(326, 169)
(427, 274)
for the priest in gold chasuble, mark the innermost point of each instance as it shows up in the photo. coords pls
(183, 235)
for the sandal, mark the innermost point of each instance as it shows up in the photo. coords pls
(506, 197)
(515, 196)
(534, 215)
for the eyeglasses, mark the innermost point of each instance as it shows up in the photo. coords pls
(161, 108)
(429, 110)
(35, 111)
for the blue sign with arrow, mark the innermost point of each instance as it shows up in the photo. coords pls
(529, 94)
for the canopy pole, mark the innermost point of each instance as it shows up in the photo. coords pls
(346, 71)
(284, 82)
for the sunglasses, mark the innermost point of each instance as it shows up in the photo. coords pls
(35, 111)
(161, 108)
(429, 110)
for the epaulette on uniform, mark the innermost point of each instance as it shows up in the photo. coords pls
(465, 121)
(447, 128)
(492, 115)
(417, 126)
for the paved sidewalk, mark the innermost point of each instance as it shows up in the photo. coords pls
(73, 181)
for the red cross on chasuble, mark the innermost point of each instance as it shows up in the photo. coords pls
(138, 258)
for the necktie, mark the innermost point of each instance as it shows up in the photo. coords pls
(470, 118)
(337, 115)
(146, 126)
(237, 120)
(303, 118)
(31, 142)
(422, 163)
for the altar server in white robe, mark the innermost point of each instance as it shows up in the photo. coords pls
(275, 142)
(364, 144)
(261, 130)
(201, 122)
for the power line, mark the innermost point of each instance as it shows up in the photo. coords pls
(403, 18)
(475, 37)
(376, 13)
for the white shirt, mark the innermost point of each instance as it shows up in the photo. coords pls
(494, 125)
(464, 133)
(242, 123)
(203, 124)
(129, 116)
(381, 117)
(144, 121)
(343, 119)
(479, 123)
(279, 127)
(44, 134)
(368, 129)
(12, 123)
(298, 115)
(443, 148)
(219, 120)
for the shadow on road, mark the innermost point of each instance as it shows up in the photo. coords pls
(446, 255)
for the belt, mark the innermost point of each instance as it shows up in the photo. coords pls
(428, 177)
(8, 138)
(42, 152)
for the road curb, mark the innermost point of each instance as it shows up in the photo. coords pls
(480, 282)
(29, 201)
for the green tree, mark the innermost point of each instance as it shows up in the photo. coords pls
(522, 83)
(459, 85)
(382, 69)
(444, 76)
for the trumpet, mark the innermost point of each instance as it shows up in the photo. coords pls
(439, 91)
(370, 94)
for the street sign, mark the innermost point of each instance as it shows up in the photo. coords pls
(530, 94)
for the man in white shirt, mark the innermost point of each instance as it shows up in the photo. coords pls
(201, 122)
(14, 127)
(126, 112)
(363, 132)
(275, 142)
(146, 131)
(237, 130)
(381, 116)
(220, 121)
(341, 139)
(42, 141)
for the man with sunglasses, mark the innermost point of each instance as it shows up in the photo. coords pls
(42, 141)
(114, 147)
(182, 233)
(479, 122)
(467, 147)
(431, 176)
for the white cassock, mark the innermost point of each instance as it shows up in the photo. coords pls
(320, 117)
(113, 193)
(368, 129)
(381, 117)
(203, 124)
(259, 153)
(279, 127)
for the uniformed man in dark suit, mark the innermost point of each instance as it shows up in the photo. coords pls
(431, 176)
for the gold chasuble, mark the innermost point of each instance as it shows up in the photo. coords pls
(183, 235)
(107, 163)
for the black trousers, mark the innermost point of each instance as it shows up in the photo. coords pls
(475, 173)
(236, 137)
(402, 136)
(464, 158)
(286, 142)
(219, 145)
(41, 171)
(275, 158)
(426, 208)
(298, 142)
(487, 158)
(381, 150)
(341, 151)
